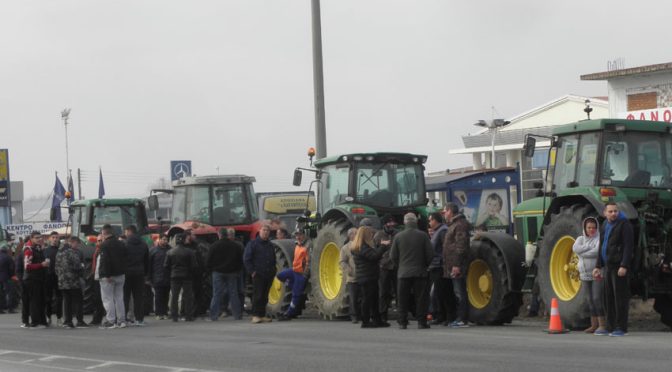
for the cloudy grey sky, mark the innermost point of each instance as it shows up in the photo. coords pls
(228, 83)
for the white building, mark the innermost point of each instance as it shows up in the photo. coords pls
(640, 93)
(509, 139)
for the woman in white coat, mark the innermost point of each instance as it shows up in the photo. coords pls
(587, 247)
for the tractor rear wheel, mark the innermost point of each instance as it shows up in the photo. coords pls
(326, 279)
(558, 274)
(490, 299)
(663, 305)
(279, 296)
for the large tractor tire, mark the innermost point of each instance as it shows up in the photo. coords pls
(279, 296)
(663, 305)
(326, 279)
(491, 301)
(558, 273)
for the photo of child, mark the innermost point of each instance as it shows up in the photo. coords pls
(492, 211)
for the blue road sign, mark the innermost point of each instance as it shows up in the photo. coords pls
(180, 169)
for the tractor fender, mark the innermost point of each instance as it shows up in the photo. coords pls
(512, 251)
(554, 208)
(339, 213)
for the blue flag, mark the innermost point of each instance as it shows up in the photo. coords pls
(101, 186)
(59, 196)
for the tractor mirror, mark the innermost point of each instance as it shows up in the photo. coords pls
(297, 177)
(153, 203)
(528, 149)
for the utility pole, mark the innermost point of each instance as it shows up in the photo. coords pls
(318, 83)
(79, 183)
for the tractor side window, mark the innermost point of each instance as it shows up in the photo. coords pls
(407, 185)
(587, 159)
(565, 162)
(649, 160)
(335, 185)
(198, 200)
(616, 162)
(179, 205)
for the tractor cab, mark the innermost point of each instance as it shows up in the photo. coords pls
(206, 203)
(89, 216)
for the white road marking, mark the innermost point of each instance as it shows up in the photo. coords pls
(95, 363)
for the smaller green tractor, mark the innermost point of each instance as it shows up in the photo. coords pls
(350, 188)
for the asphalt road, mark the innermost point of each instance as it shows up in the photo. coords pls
(316, 345)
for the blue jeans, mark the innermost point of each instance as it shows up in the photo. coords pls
(220, 283)
(295, 281)
(460, 288)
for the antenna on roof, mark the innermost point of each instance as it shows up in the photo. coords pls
(616, 64)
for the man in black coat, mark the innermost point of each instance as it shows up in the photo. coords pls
(225, 261)
(181, 262)
(613, 264)
(259, 259)
(6, 273)
(412, 253)
(137, 262)
(53, 297)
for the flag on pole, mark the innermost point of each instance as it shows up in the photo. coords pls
(101, 186)
(71, 189)
(59, 196)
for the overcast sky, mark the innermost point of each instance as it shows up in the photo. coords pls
(228, 83)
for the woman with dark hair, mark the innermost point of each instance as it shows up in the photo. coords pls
(367, 258)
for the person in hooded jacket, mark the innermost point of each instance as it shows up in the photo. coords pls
(367, 259)
(137, 263)
(586, 248)
(181, 263)
(613, 264)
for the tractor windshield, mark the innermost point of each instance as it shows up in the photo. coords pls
(217, 205)
(636, 159)
(389, 185)
(88, 220)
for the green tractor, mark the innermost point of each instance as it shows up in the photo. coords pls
(87, 217)
(350, 188)
(591, 162)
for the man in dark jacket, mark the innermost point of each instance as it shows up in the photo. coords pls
(181, 262)
(225, 261)
(387, 281)
(137, 261)
(159, 276)
(259, 258)
(412, 253)
(198, 272)
(112, 271)
(444, 305)
(613, 264)
(456, 259)
(6, 274)
(53, 297)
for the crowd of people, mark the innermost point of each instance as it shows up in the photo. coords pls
(424, 271)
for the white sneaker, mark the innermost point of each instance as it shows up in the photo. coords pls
(122, 325)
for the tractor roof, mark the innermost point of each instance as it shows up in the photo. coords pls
(106, 202)
(214, 180)
(372, 157)
(615, 125)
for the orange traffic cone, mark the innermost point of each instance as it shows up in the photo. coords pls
(555, 325)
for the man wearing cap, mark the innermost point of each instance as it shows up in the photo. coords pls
(225, 261)
(295, 277)
(387, 281)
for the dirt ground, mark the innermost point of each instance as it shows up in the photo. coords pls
(642, 317)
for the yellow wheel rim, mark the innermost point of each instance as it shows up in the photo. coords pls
(479, 284)
(275, 293)
(564, 272)
(330, 272)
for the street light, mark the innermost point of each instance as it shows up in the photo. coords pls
(492, 126)
(65, 115)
